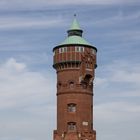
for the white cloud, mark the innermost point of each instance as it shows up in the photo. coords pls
(12, 65)
(117, 106)
(119, 79)
(27, 102)
(115, 119)
(21, 87)
(126, 76)
(123, 71)
(117, 111)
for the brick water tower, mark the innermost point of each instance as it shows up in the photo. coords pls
(75, 63)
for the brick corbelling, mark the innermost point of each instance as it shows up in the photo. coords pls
(87, 93)
(68, 69)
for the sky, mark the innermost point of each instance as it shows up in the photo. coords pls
(29, 29)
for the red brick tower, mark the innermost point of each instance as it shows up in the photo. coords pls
(75, 62)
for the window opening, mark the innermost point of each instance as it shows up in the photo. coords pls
(79, 49)
(82, 49)
(71, 107)
(71, 126)
(71, 84)
(63, 49)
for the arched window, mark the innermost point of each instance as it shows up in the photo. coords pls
(71, 126)
(71, 107)
(71, 84)
(87, 78)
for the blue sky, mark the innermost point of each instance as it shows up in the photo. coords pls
(29, 29)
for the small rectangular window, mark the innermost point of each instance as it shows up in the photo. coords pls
(82, 49)
(71, 107)
(60, 50)
(63, 49)
(79, 49)
(71, 126)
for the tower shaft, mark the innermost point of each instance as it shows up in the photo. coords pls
(75, 63)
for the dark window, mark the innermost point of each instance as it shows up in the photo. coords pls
(72, 126)
(71, 84)
(65, 49)
(82, 49)
(71, 107)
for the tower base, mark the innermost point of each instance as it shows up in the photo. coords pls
(75, 135)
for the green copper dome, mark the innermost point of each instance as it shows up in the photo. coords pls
(75, 36)
(75, 40)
